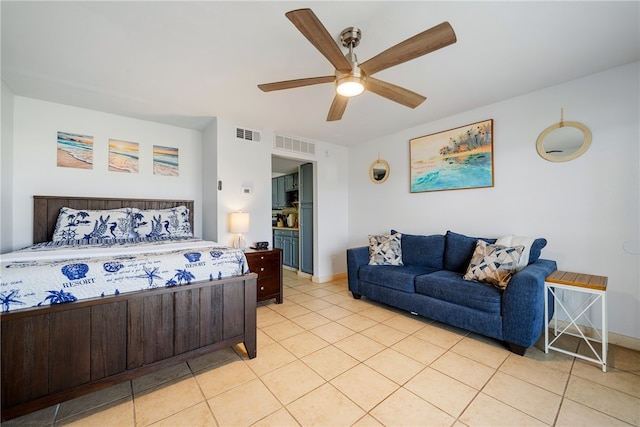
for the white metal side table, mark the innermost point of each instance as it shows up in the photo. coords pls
(595, 287)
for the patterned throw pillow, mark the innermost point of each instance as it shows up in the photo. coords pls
(532, 248)
(81, 224)
(385, 249)
(493, 264)
(171, 222)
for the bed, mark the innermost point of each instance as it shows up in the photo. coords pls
(52, 353)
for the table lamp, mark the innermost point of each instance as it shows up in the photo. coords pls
(238, 224)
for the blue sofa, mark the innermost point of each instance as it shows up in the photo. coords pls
(430, 283)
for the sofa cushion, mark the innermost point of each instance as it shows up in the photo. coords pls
(493, 264)
(425, 251)
(394, 277)
(385, 249)
(451, 287)
(458, 251)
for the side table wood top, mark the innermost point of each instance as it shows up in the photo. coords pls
(580, 280)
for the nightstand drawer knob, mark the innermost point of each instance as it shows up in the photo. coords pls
(262, 288)
(261, 257)
(261, 268)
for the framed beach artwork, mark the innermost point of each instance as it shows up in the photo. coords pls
(453, 159)
(123, 156)
(75, 150)
(165, 161)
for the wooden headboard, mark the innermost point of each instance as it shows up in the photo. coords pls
(47, 208)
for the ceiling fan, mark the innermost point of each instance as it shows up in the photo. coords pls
(352, 78)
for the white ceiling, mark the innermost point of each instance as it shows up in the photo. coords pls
(183, 62)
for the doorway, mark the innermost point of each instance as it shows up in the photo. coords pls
(293, 211)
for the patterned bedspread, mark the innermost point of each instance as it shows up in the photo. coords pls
(58, 272)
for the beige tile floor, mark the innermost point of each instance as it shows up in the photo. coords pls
(325, 359)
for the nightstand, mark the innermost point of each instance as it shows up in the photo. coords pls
(267, 264)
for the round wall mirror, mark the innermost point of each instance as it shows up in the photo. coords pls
(379, 171)
(563, 141)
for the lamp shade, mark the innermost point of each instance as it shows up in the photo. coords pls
(239, 222)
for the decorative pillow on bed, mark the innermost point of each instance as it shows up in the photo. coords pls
(81, 224)
(493, 264)
(385, 249)
(171, 222)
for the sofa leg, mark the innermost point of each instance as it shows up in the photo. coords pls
(517, 349)
(356, 296)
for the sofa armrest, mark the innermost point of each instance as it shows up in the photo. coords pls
(356, 257)
(523, 304)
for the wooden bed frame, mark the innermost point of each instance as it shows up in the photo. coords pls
(55, 353)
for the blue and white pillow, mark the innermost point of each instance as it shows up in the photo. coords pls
(171, 222)
(385, 249)
(532, 248)
(493, 264)
(88, 224)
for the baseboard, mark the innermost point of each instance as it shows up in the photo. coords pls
(339, 276)
(316, 279)
(624, 341)
(616, 339)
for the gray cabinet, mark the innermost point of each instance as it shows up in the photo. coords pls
(278, 194)
(288, 241)
(274, 193)
(282, 197)
(295, 249)
(280, 186)
(306, 218)
(277, 240)
(291, 182)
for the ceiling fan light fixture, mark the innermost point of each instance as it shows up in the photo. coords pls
(350, 86)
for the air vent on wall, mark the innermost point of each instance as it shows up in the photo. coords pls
(248, 134)
(297, 145)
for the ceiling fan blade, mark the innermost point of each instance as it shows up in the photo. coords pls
(427, 41)
(338, 106)
(395, 93)
(290, 84)
(310, 26)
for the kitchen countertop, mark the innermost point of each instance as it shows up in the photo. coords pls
(286, 228)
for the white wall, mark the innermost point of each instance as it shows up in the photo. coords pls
(209, 182)
(6, 169)
(587, 208)
(239, 163)
(35, 170)
(247, 163)
(331, 204)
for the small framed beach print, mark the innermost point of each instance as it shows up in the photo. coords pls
(75, 150)
(165, 161)
(123, 156)
(453, 159)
